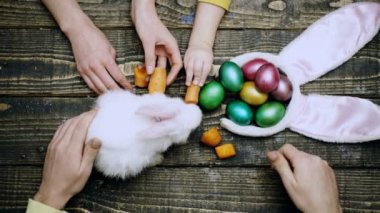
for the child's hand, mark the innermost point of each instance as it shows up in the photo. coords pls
(198, 62)
(95, 59)
(309, 180)
(159, 44)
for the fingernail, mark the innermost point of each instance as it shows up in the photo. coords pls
(272, 156)
(195, 82)
(149, 69)
(95, 143)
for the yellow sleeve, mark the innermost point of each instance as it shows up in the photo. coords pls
(221, 3)
(37, 207)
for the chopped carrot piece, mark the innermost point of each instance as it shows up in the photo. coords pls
(141, 77)
(211, 137)
(192, 94)
(225, 151)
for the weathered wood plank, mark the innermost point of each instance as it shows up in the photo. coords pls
(28, 124)
(200, 189)
(262, 14)
(51, 77)
(51, 43)
(40, 62)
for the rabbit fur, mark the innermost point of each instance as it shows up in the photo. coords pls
(136, 129)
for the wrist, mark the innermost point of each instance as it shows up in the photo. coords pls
(202, 44)
(141, 8)
(54, 201)
(76, 25)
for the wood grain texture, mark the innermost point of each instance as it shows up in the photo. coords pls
(40, 88)
(263, 14)
(28, 125)
(234, 189)
(40, 62)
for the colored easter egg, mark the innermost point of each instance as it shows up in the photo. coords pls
(270, 114)
(231, 76)
(211, 95)
(284, 90)
(267, 78)
(251, 95)
(239, 112)
(250, 68)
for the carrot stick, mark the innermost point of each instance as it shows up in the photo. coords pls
(141, 76)
(192, 94)
(157, 81)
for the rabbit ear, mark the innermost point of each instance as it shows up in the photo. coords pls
(337, 119)
(159, 111)
(331, 40)
(158, 130)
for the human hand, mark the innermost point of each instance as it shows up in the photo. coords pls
(159, 44)
(309, 180)
(68, 162)
(95, 59)
(198, 61)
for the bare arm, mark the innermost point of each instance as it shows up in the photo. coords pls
(199, 55)
(94, 54)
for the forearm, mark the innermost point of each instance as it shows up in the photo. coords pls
(142, 7)
(206, 24)
(68, 15)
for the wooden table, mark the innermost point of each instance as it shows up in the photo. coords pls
(40, 87)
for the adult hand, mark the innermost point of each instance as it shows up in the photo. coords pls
(309, 180)
(95, 59)
(68, 162)
(198, 62)
(159, 44)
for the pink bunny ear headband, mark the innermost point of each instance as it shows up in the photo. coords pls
(325, 45)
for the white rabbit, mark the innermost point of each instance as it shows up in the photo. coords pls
(135, 130)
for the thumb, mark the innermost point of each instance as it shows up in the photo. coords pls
(281, 165)
(150, 57)
(90, 152)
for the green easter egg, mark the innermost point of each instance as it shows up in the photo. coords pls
(270, 113)
(239, 112)
(211, 95)
(231, 76)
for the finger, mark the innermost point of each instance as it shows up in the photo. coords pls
(290, 152)
(189, 72)
(150, 57)
(90, 152)
(90, 84)
(57, 132)
(117, 75)
(198, 65)
(175, 61)
(205, 71)
(105, 77)
(63, 138)
(79, 135)
(63, 128)
(162, 61)
(281, 165)
(98, 83)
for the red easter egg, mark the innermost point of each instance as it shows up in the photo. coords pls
(250, 68)
(284, 90)
(267, 78)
